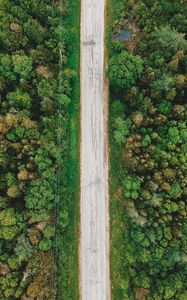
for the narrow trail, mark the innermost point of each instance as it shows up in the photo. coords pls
(94, 227)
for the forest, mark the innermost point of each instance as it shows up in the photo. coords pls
(38, 130)
(148, 140)
(146, 48)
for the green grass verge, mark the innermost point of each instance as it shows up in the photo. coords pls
(117, 209)
(68, 287)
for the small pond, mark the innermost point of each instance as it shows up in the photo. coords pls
(124, 35)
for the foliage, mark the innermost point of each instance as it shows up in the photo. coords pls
(23, 249)
(38, 103)
(125, 69)
(40, 195)
(148, 157)
(165, 83)
(131, 187)
(171, 39)
(19, 100)
(22, 66)
(11, 224)
(121, 130)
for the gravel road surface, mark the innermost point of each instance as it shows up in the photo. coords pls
(94, 227)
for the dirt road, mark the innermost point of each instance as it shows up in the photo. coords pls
(94, 228)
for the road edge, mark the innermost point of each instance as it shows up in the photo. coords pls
(106, 136)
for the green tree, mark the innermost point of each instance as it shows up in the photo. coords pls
(22, 66)
(11, 223)
(23, 249)
(19, 99)
(40, 195)
(125, 69)
(6, 67)
(164, 83)
(171, 39)
(121, 130)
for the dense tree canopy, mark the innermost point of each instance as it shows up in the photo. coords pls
(149, 143)
(34, 124)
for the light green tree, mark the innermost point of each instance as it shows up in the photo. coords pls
(125, 69)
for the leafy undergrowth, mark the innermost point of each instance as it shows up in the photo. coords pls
(39, 102)
(148, 141)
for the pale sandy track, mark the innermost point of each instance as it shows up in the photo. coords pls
(94, 225)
